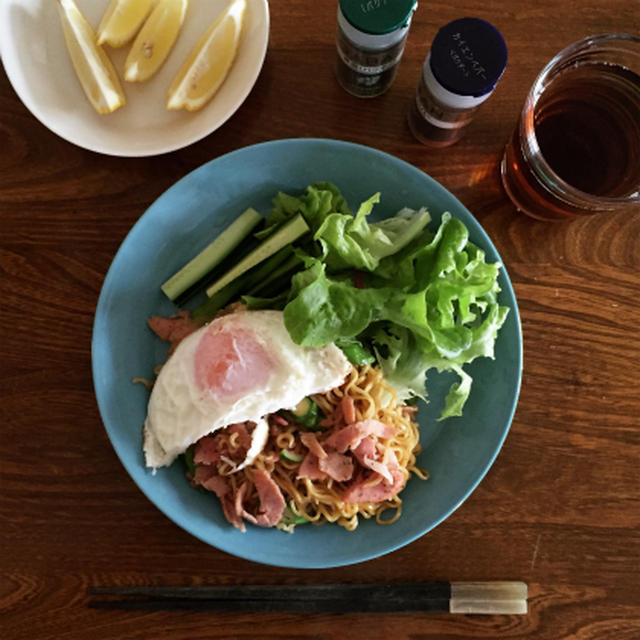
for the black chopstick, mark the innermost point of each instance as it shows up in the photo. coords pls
(500, 597)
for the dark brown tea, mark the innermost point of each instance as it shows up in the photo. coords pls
(587, 127)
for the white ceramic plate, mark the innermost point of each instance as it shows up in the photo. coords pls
(37, 63)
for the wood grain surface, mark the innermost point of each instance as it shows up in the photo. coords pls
(559, 509)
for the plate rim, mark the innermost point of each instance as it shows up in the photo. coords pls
(486, 466)
(12, 67)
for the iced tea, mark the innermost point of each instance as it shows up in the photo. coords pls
(577, 147)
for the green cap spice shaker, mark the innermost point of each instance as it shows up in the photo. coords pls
(370, 42)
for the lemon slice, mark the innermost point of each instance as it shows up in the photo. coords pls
(92, 65)
(154, 40)
(208, 64)
(121, 21)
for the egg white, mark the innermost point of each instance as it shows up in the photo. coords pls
(179, 413)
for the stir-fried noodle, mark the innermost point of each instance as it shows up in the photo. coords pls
(367, 396)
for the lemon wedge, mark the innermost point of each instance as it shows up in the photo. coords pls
(92, 65)
(208, 64)
(121, 21)
(154, 41)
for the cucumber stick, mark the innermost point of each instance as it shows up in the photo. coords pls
(212, 255)
(286, 267)
(240, 285)
(289, 232)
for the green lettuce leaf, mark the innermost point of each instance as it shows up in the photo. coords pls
(458, 395)
(319, 200)
(346, 241)
(324, 310)
(404, 365)
(429, 304)
(351, 242)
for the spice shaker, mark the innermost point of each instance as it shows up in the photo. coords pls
(370, 41)
(466, 60)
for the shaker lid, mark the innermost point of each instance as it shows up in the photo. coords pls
(378, 17)
(468, 56)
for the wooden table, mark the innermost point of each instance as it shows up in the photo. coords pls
(560, 507)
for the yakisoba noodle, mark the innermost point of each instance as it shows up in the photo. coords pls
(319, 501)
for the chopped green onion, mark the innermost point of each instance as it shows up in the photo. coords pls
(299, 520)
(290, 456)
(290, 519)
(356, 354)
(307, 413)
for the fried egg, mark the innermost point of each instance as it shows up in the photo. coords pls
(240, 367)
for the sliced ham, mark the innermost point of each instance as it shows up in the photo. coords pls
(201, 474)
(338, 418)
(337, 466)
(343, 439)
(229, 510)
(272, 502)
(206, 451)
(366, 449)
(376, 428)
(239, 506)
(278, 419)
(360, 490)
(349, 437)
(243, 437)
(326, 422)
(383, 490)
(310, 441)
(218, 485)
(310, 468)
(208, 478)
(250, 439)
(380, 468)
(365, 453)
(348, 409)
(173, 329)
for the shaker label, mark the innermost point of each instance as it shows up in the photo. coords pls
(365, 64)
(430, 113)
(464, 58)
(372, 5)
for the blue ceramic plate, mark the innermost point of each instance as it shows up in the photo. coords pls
(457, 452)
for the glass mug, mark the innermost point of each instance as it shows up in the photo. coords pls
(576, 148)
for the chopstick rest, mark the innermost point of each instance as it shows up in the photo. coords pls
(500, 597)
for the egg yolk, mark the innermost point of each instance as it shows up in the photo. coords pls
(231, 363)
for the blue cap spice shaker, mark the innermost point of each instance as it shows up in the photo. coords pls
(466, 60)
(370, 42)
